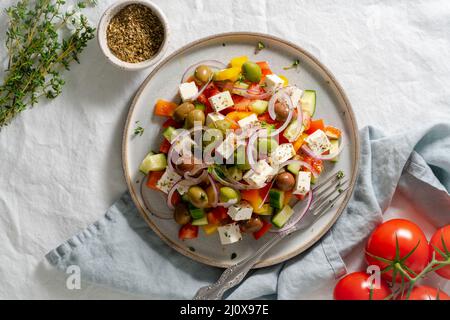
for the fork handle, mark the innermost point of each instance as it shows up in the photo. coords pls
(234, 275)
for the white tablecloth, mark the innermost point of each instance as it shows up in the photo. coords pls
(61, 161)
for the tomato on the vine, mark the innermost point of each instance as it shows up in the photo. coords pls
(398, 247)
(425, 293)
(357, 286)
(440, 244)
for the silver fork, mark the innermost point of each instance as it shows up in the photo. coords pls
(326, 194)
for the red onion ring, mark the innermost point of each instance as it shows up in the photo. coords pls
(146, 203)
(309, 152)
(216, 192)
(253, 96)
(185, 182)
(298, 216)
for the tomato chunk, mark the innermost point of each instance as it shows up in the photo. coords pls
(264, 229)
(188, 231)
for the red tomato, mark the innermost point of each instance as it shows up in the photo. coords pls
(316, 164)
(165, 146)
(267, 119)
(188, 231)
(171, 123)
(357, 286)
(411, 240)
(440, 243)
(265, 228)
(426, 293)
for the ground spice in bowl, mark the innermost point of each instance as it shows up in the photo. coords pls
(135, 33)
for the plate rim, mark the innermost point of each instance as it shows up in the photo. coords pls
(355, 155)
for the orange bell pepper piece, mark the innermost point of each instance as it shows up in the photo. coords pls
(164, 108)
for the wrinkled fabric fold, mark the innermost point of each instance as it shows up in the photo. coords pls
(120, 250)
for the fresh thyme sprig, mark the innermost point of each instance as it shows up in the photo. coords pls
(42, 40)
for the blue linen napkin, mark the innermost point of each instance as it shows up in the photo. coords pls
(121, 251)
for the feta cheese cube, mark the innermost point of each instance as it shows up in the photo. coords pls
(167, 180)
(188, 90)
(302, 183)
(226, 148)
(212, 117)
(183, 146)
(295, 94)
(318, 142)
(248, 122)
(229, 233)
(242, 211)
(273, 82)
(282, 153)
(258, 178)
(221, 101)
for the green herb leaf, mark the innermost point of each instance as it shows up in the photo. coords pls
(138, 131)
(259, 47)
(294, 65)
(41, 41)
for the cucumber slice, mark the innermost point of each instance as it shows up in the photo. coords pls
(290, 132)
(259, 106)
(334, 148)
(196, 213)
(293, 168)
(168, 133)
(308, 101)
(265, 210)
(276, 198)
(200, 222)
(153, 162)
(280, 219)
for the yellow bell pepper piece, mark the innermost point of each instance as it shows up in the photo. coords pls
(264, 210)
(286, 81)
(238, 115)
(227, 74)
(237, 62)
(299, 142)
(210, 228)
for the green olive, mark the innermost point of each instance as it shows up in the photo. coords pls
(198, 197)
(252, 72)
(235, 173)
(195, 116)
(203, 73)
(181, 214)
(285, 181)
(281, 111)
(227, 194)
(211, 195)
(181, 112)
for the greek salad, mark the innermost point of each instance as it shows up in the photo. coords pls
(240, 148)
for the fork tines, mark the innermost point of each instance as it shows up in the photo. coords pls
(327, 193)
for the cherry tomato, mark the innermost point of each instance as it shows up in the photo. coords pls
(440, 243)
(426, 293)
(382, 244)
(356, 286)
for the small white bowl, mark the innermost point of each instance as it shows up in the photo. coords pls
(103, 43)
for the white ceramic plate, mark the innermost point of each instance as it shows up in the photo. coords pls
(332, 105)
